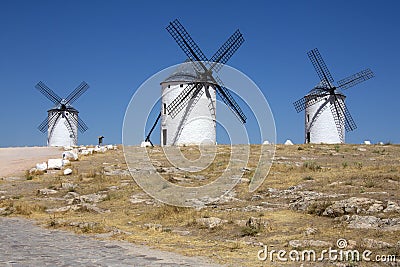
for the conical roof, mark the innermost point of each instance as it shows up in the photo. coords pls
(323, 86)
(185, 72)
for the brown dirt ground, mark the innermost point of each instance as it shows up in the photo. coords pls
(16, 160)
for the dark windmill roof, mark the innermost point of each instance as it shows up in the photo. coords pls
(67, 108)
(322, 86)
(185, 72)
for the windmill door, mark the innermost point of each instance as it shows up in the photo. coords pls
(164, 137)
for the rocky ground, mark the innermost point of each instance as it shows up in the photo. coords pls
(313, 196)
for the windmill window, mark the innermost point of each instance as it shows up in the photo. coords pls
(181, 85)
(165, 108)
(169, 86)
(308, 117)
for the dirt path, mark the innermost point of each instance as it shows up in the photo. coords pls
(16, 160)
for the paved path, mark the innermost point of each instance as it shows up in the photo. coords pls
(24, 244)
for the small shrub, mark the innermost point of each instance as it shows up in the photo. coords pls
(358, 165)
(337, 147)
(249, 231)
(345, 164)
(300, 148)
(308, 178)
(369, 183)
(311, 165)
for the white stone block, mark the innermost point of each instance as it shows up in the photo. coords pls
(85, 152)
(41, 166)
(288, 142)
(266, 142)
(145, 144)
(110, 147)
(55, 164)
(70, 155)
(367, 142)
(67, 171)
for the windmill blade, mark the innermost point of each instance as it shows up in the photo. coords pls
(320, 67)
(355, 79)
(187, 44)
(147, 139)
(226, 51)
(338, 117)
(45, 123)
(53, 122)
(68, 124)
(47, 92)
(82, 127)
(183, 98)
(227, 98)
(349, 123)
(315, 96)
(74, 95)
(343, 113)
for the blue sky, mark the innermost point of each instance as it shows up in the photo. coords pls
(116, 45)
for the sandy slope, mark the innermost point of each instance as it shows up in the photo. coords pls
(16, 160)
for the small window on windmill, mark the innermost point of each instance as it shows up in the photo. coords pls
(181, 85)
(308, 117)
(165, 108)
(169, 86)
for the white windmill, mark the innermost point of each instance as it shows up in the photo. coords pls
(188, 105)
(62, 122)
(326, 115)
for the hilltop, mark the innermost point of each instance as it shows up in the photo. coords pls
(313, 196)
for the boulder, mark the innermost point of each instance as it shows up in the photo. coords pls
(288, 142)
(145, 144)
(392, 207)
(100, 149)
(110, 147)
(46, 191)
(67, 171)
(85, 152)
(66, 162)
(367, 142)
(354, 205)
(375, 244)
(55, 164)
(41, 166)
(68, 186)
(70, 155)
(266, 142)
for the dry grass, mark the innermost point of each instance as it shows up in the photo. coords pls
(340, 169)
